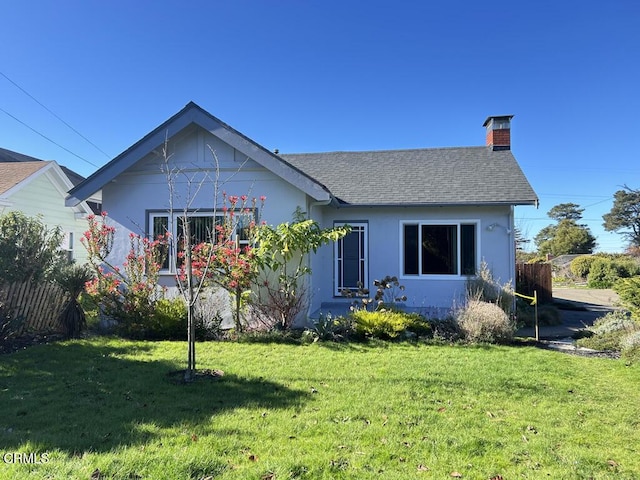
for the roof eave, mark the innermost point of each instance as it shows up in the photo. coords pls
(192, 113)
(338, 204)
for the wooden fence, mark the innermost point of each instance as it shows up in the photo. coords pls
(35, 307)
(535, 276)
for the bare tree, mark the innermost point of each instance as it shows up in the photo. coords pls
(190, 285)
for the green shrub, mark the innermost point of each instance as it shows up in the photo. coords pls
(418, 325)
(607, 332)
(482, 322)
(581, 265)
(445, 330)
(91, 311)
(613, 322)
(9, 325)
(28, 248)
(384, 324)
(606, 271)
(331, 328)
(629, 291)
(168, 321)
(630, 347)
(602, 342)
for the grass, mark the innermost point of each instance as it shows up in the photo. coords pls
(104, 408)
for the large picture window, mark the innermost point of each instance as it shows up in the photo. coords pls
(201, 227)
(439, 249)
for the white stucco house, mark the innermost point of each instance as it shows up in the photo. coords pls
(38, 188)
(428, 216)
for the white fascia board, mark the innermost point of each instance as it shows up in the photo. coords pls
(62, 184)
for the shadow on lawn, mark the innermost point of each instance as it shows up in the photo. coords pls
(83, 396)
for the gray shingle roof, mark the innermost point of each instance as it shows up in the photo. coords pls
(10, 156)
(434, 176)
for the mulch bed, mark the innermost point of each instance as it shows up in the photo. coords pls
(564, 347)
(177, 376)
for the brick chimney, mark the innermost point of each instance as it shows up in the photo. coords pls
(498, 132)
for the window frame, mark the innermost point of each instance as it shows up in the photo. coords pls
(458, 224)
(363, 255)
(172, 222)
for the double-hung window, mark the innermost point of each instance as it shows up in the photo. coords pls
(202, 227)
(444, 248)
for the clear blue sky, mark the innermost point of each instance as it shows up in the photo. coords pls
(310, 76)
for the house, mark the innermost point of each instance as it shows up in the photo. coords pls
(427, 216)
(36, 187)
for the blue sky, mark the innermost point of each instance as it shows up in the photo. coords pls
(311, 76)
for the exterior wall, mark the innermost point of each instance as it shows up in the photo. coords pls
(144, 188)
(495, 246)
(41, 197)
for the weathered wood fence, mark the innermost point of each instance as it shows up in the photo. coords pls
(34, 307)
(535, 276)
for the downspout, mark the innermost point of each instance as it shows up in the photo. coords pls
(321, 203)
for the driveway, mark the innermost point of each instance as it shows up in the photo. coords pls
(583, 307)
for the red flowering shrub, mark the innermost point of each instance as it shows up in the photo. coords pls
(128, 294)
(228, 260)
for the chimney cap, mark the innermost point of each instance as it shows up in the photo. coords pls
(497, 117)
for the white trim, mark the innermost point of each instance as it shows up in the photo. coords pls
(363, 256)
(172, 228)
(457, 223)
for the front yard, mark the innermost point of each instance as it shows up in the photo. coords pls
(105, 408)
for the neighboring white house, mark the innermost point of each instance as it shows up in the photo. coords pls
(427, 216)
(36, 187)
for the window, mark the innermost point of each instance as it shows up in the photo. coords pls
(439, 249)
(67, 245)
(351, 259)
(201, 227)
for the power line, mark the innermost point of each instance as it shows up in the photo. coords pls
(47, 138)
(55, 115)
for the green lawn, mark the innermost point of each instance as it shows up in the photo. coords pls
(104, 408)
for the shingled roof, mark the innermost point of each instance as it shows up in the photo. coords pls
(433, 176)
(9, 156)
(14, 172)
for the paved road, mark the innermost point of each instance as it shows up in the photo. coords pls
(589, 304)
(589, 296)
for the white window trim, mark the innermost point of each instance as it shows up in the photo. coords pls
(67, 245)
(427, 276)
(173, 221)
(364, 256)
